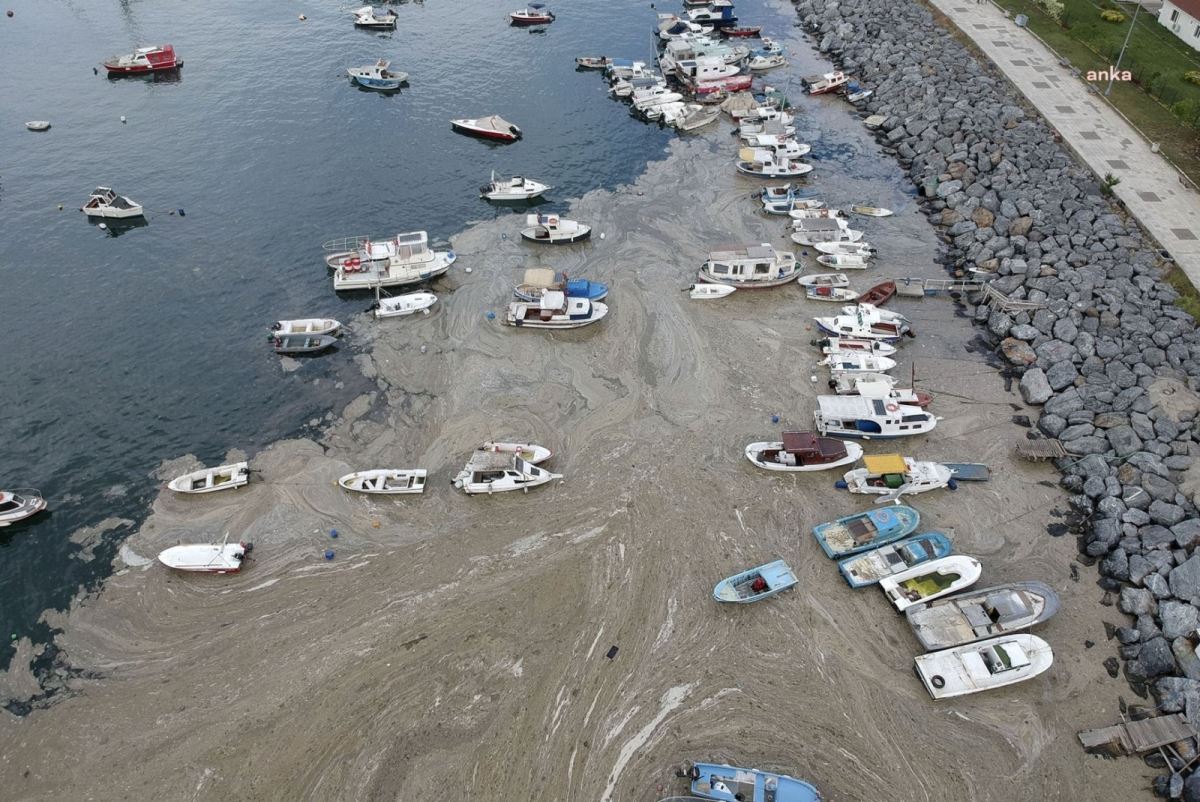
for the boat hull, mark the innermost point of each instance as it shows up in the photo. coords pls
(530, 235)
(776, 577)
(204, 558)
(763, 284)
(754, 451)
(868, 568)
(197, 482)
(962, 670)
(412, 482)
(937, 626)
(485, 133)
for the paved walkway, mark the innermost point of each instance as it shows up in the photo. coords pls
(1150, 187)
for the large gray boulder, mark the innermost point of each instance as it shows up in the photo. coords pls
(1035, 389)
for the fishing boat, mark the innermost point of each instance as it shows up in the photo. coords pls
(983, 666)
(38, 125)
(836, 294)
(673, 28)
(766, 61)
(763, 163)
(881, 386)
(625, 87)
(17, 506)
(540, 280)
(516, 188)
(825, 82)
(756, 584)
(593, 62)
(698, 118)
(824, 280)
(789, 146)
(841, 362)
(810, 232)
(210, 480)
(727, 783)
(533, 14)
(753, 127)
(980, 614)
(308, 325)
(378, 76)
(816, 214)
(703, 292)
(930, 580)
(552, 229)
(871, 211)
(301, 343)
(768, 45)
(860, 248)
(500, 471)
(892, 476)
(206, 558)
(385, 481)
(711, 73)
(744, 31)
(844, 261)
(653, 96)
(869, 567)
(864, 325)
(768, 119)
(879, 294)
(856, 94)
(789, 205)
(717, 13)
(377, 17)
(624, 68)
(863, 531)
(787, 191)
(530, 452)
(554, 311)
(803, 452)
(400, 305)
(103, 202)
(493, 127)
(750, 267)
(844, 345)
(362, 263)
(870, 418)
(156, 58)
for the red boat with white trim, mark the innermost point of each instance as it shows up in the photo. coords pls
(534, 14)
(145, 59)
(826, 82)
(493, 127)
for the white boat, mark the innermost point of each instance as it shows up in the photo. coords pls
(981, 614)
(860, 95)
(401, 305)
(697, 118)
(38, 125)
(785, 206)
(516, 188)
(210, 480)
(769, 45)
(847, 383)
(665, 112)
(811, 232)
(645, 98)
(824, 280)
(800, 452)
(554, 310)
(931, 580)
(763, 163)
(530, 452)
(103, 202)
(206, 558)
(550, 228)
(374, 17)
(856, 362)
(671, 27)
(769, 128)
(593, 62)
(378, 76)
(385, 481)
(835, 294)
(497, 472)
(866, 322)
(625, 87)
(750, 266)
(826, 82)
(850, 345)
(767, 61)
(776, 142)
(859, 248)
(817, 213)
(869, 418)
(491, 127)
(308, 325)
(361, 263)
(844, 260)
(894, 476)
(984, 665)
(871, 211)
(878, 385)
(624, 68)
(17, 506)
(701, 292)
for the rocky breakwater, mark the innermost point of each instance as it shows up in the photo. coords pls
(1101, 346)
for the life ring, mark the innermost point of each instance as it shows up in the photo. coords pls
(937, 681)
(891, 407)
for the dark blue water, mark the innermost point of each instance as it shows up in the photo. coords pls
(122, 351)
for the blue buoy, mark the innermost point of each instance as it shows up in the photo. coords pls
(490, 315)
(333, 533)
(840, 484)
(952, 484)
(181, 213)
(774, 419)
(328, 554)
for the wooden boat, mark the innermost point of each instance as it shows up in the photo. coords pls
(703, 292)
(555, 311)
(980, 614)
(377, 17)
(516, 188)
(493, 127)
(762, 163)
(847, 345)
(983, 666)
(756, 584)
(892, 476)
(803, 451)
(531, 453)
(826, 82)
(550, 228)
(497, 472)
(533, 14)
(387, 481)
(750, 267)
(378, 76)
(824, 280)
(593, 62)
(301, 343)
(103, 202)
(206, 558)
(727, 783)
(308, 325)
(540, 280)
(401, 305)
(16, 506)
(845, 261)
(837, 294)
(362, 263)
(863, 531)
(871, 211)
(879, 294)
(765, 62)
(156, 58)
(38, 125)
(856, 362)
(931, 580)
(742, 31)
(859, 248)
(870, 418)
(871, 566)
(210, 480)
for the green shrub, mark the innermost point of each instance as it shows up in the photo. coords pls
(1192, 77)
(1053, 8)
(1112, 15)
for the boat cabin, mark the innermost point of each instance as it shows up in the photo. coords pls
(750, 264)
(855, 416)
(1001, 657)
(704, 68)
(804, 448)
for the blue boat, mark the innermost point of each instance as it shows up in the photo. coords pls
(539, 280)
(756, 584)
(870, 567)
(729, 784)
(866, 530)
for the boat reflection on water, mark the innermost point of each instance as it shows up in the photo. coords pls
(160, 77)
(117, 227)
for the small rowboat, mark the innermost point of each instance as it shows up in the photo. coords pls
(746, 30)
(301, 343)
(533, 454)
(38, 125)
(401, 305)
(878, 294)
(871, 211)
(866, 530)
(824, 280)
(702, 292)
(385, 481)
(311, 325)
(206, 558)
(846, 261)
(756, 584)
(862, 249)
(210, 480)
(839, 294)
(593, 62)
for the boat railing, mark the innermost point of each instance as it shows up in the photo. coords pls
(345, 244)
